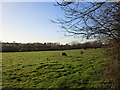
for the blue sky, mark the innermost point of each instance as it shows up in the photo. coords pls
(30, 22)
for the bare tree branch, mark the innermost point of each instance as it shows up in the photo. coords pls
(90, 18)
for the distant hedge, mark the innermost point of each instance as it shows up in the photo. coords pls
(22, 47)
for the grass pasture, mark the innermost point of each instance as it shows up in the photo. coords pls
(48, 69)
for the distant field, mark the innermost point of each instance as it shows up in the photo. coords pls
(48, 69)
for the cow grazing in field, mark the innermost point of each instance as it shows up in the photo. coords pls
(81, 52)
(63, 54)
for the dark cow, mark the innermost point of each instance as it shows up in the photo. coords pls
(63, 54)
(81, 52)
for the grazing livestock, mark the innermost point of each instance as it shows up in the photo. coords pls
(63, 54)
(81, 52)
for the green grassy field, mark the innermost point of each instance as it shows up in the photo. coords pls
(48, 69)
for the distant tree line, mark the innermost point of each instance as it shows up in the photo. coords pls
(23, 47)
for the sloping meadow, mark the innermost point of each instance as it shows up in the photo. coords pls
(49, 69)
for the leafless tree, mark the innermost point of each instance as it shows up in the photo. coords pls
(94, 20)
(90, 19)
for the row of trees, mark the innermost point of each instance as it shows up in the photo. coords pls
(15, 47)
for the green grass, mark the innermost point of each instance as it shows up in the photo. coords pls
(48, 69)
